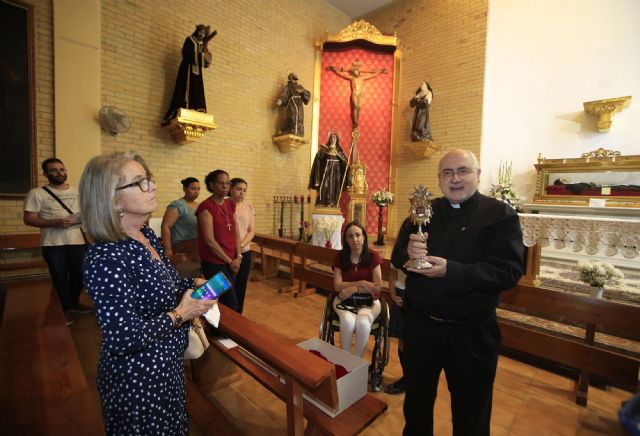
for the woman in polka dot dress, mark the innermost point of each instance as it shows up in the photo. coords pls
(142, 304)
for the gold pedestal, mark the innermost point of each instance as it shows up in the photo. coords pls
(326, 210)
(606, 109)
(289, 142)
(424, 149)
(189, 126)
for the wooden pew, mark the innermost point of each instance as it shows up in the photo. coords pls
(43, 389)
(301, 371)
(14, 249)
(272, 251)
(615, 367)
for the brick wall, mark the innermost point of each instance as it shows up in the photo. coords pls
(442, 42)
(258, 44)
(11, 209)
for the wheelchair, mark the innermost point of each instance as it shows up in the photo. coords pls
(379, 330)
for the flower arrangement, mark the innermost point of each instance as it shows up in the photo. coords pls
(503, 191)
(382, 197)
(327, 226)
(596, 273)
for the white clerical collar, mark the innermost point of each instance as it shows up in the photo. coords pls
(455, 205)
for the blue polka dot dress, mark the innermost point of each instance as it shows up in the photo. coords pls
(140, 371)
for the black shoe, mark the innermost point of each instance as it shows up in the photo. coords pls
(396, 388)
(81, 308)
(68, 318)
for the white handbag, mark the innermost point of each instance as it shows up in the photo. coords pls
(198, 341)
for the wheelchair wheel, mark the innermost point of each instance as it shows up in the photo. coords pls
(326, 328)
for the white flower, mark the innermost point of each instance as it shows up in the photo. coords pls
(327, 225)
(382, 197)
(596, 273)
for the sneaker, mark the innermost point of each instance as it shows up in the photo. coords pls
(396, 388)
(81, 308)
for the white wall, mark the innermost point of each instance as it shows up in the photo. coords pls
(544, 59)
(76, 27)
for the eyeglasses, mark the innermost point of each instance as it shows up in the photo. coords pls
(143, 184)
(462, 173)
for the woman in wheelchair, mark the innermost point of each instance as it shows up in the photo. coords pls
(357, 279)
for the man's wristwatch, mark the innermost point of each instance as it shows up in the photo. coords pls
(177, 318)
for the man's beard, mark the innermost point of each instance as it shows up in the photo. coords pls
(56, 181)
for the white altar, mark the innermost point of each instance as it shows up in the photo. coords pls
(567, 234)
(327, 227)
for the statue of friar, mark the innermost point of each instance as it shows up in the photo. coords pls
(293, 99)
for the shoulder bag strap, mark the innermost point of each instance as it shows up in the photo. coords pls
(64, 206)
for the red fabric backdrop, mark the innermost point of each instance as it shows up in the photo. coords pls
(374, 146)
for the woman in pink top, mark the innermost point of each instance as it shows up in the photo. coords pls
(246, 220)
(218, 237)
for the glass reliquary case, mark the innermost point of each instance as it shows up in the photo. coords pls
(601, 174)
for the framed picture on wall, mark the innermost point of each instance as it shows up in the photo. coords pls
(602, 174)
(17, 99)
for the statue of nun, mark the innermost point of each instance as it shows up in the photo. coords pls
(420, 127)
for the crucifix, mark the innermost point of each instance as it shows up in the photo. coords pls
(357, 78)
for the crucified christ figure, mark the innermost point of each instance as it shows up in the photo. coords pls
(354, 75)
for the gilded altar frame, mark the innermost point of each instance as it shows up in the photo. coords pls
(365, 31)
(601, 177)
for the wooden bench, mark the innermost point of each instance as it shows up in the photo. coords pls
(272, 250)
(301, 371)
(43, 388)
(581, 353)
(13, 249)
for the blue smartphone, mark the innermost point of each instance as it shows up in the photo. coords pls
(216, 286)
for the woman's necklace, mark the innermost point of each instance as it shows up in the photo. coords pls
(357, 261)
(223, 210)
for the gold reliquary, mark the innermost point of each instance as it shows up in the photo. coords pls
(600, 178)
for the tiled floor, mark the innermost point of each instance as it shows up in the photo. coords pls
(527, 400)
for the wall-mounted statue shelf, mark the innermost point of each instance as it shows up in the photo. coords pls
(424, 149)
(189, 126)
(605, 109)
(289, 142)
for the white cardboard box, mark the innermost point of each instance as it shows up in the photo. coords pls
(352, 386)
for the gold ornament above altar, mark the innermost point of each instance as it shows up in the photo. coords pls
(189, 126)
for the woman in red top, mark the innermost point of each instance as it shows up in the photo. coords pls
(218, 237)
(356, 271)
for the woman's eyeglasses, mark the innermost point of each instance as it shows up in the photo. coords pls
(143, 184)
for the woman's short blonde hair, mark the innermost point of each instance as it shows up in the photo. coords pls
(98, 195)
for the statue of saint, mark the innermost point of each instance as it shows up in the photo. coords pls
(292, 99)
(328, 171)
(420, 127)
(189, 90)
(356, 77)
